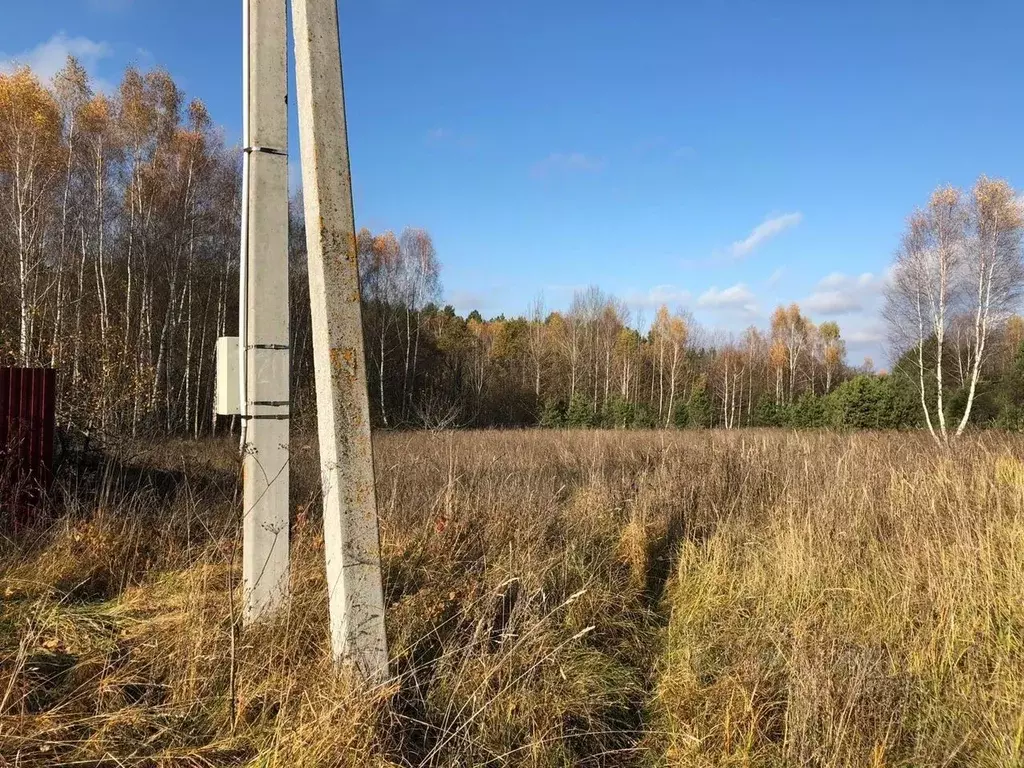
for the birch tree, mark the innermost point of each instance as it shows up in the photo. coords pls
(677, 331)
(790, 336)
(993, 272)
(29, 160)
(536, 342)
(959, 265)
(379, 264)
(418, 282)
(926, 276)
(833, 351)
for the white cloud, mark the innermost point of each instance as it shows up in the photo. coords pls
(668, 295)
(46, 59)
(736, 297)
(467, 301)
(841, 281)
(832, 303)
(775, 276)
(864, 336)
(763, 232)
(842, 294)
(559, 162)
(857, 301)
(833, 280)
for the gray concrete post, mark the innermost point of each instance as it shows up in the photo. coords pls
(265, 304)
(351, 542)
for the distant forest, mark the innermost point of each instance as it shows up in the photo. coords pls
(119, 266)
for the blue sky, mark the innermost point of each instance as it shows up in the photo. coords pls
(720, 155)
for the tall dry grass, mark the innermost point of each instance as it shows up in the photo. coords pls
(555, 599)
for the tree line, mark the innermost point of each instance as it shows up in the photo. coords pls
(119, 221)
(118, 246)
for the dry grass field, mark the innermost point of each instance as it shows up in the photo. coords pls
(555, 599)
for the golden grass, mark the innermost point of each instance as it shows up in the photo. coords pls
(555, 599)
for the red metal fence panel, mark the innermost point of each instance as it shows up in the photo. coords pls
(26, 440)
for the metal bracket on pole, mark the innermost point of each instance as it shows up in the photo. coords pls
(266, 151)
(351, 543)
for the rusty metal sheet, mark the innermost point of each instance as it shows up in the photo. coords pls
(27, 416)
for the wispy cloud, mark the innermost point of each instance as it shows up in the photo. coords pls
(563, 289)
(669, 295)
(571, 162)
(47, 58)
(763, 232)
(735, 298)
(775, 277)
(446, 136)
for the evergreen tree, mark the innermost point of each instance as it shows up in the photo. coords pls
(553, 415)
(617, 414)
(766, 412)
(809, 413)
(700, 409)
(681, 417)
(856, 403)
(644, 417)
(581, 412)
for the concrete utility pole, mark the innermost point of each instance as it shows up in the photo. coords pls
(263, 309)
(351, 542)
